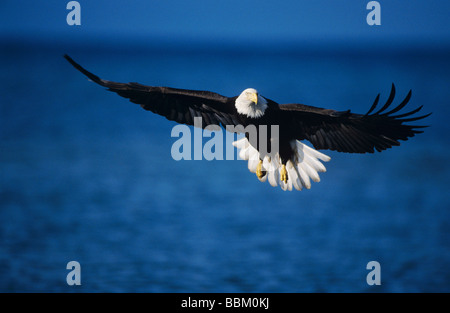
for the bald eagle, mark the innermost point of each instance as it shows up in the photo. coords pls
(294, 164)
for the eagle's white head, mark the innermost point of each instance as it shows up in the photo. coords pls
(251, 104)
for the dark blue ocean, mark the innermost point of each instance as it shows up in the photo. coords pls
(88, 176)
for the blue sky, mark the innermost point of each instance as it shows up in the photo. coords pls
(225, 20)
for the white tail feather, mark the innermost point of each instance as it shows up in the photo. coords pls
(301, 169)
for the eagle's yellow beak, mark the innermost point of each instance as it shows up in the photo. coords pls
(254, 98)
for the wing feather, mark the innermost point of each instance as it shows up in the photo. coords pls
(344, 131)
(180, 105)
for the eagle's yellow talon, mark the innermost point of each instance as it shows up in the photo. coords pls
(259, 172)
(284, 176)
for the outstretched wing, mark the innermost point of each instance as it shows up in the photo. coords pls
(178, 105)
(344, 131)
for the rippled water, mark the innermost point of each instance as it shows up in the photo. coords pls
(88, 176)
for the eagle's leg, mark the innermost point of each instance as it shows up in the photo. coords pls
(284, 174)
(259, 172)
